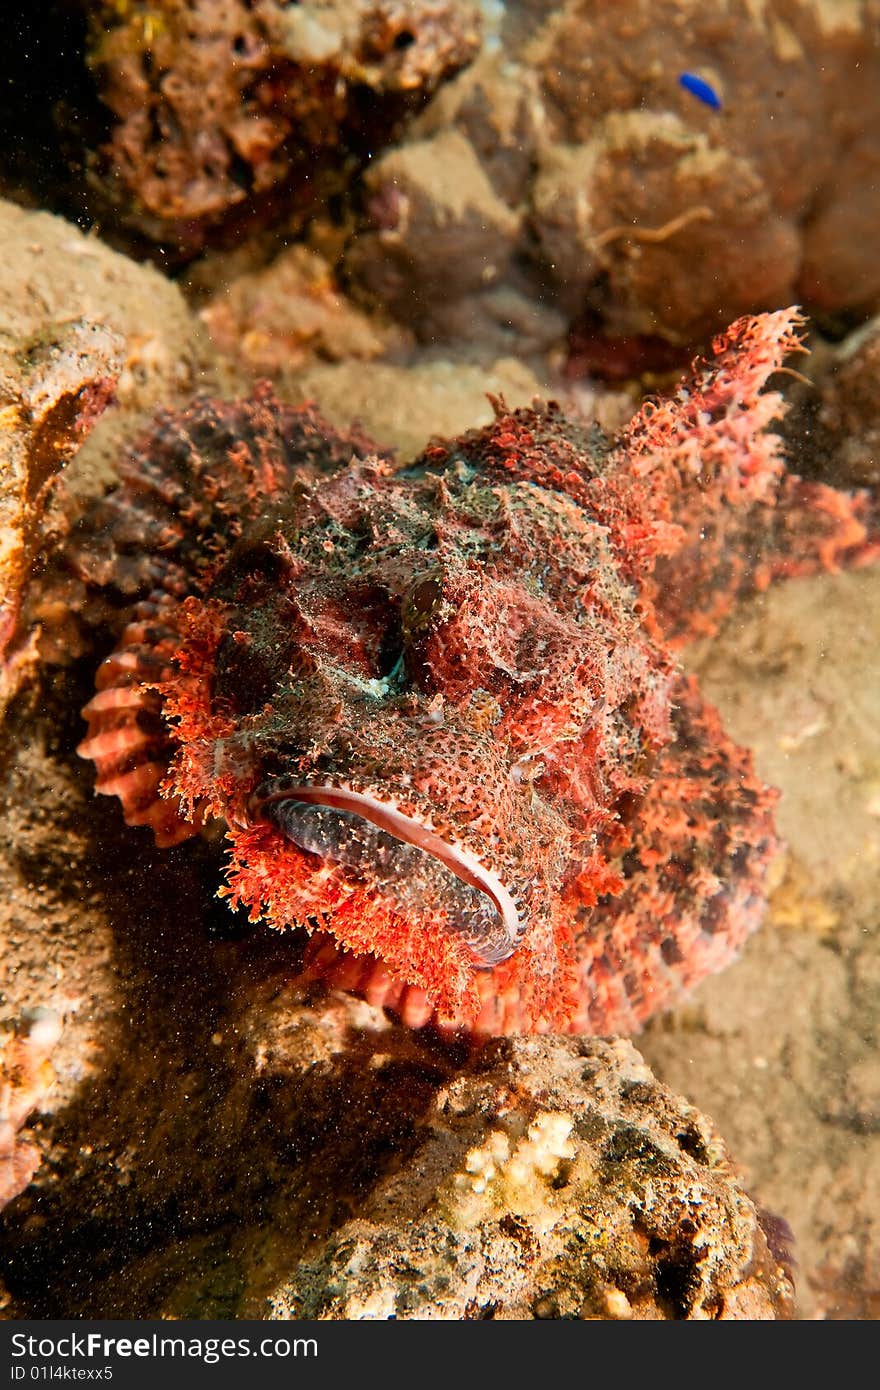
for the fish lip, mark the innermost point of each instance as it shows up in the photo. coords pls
(460, 861)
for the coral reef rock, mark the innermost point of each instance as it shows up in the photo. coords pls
(553, 1178)
(53, 386)
(536, 1177)
(849, 412)
(274, 321)
(408, 406)
(70, 278)
(92, 328)
(573, 153)
(26, 1077)
(226, 111)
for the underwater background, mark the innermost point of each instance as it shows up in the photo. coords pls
(422, 216)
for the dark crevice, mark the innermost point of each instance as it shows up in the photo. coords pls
(50, 113)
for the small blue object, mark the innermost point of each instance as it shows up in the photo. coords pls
(700, 89)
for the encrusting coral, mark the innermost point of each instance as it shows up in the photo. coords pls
(26, 1077)
(230, 110)
(554, 1178)
(52, 389)
(573, 168)
(438, 708)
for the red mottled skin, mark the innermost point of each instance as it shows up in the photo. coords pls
(438, 709)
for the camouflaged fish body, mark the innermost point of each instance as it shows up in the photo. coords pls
(438, 709)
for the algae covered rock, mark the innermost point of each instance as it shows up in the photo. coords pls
(227, 110)
(654, 168)
(555, 1178)
(83, 329)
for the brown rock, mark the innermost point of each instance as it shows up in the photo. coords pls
(849, 410)
(225, 111)
(292, 313)
(53, 385)
(796, 131)
(82, 326)
(636, 201)
(645, 205)
(440, 231)
(26, 1077)
(553, 1179)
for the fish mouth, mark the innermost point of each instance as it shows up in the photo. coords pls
(404, 857)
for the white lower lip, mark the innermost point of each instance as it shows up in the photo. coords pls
(459, 861)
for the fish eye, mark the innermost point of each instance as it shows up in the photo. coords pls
(421, 605)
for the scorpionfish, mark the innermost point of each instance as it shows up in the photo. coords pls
(437, 708)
